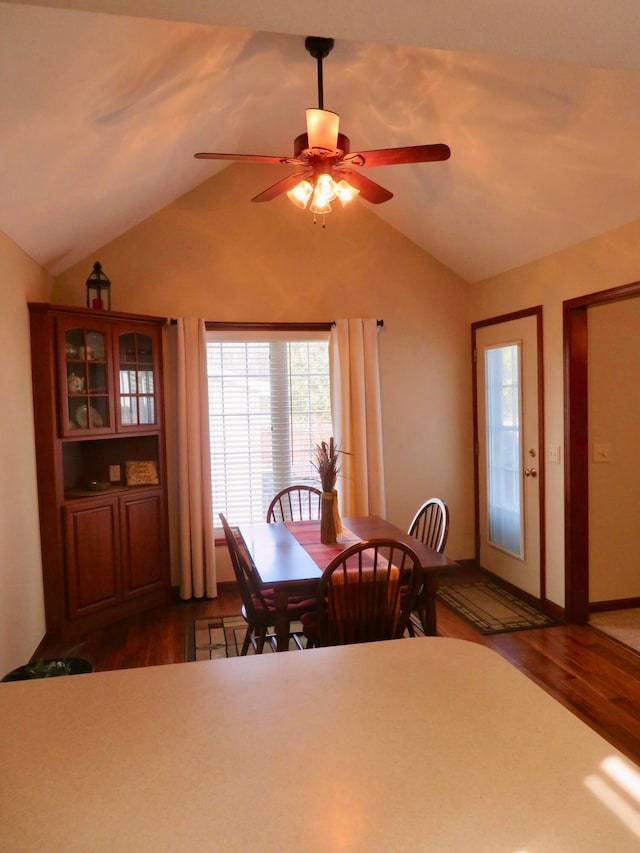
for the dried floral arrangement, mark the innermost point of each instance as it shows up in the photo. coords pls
(326, 464)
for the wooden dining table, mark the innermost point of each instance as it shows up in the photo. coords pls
(289, 558)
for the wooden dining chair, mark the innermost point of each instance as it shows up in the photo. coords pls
(431, 526)
(258, 607)
(295, 503)
(366, 593)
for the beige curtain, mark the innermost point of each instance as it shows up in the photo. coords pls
(357, 417)
(195, 520)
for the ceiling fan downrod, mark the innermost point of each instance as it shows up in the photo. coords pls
(319, 47)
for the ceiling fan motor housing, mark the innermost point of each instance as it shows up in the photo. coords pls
(318, 47)
(301, 147)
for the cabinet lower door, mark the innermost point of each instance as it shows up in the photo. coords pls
(92, 541)
(143, 536)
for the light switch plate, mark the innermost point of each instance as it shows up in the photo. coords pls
(553, 453)
(114, 473)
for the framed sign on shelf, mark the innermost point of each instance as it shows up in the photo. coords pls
(142, 473)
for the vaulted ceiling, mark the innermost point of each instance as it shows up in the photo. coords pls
(104, 102)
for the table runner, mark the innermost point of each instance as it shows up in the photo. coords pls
(307, 533)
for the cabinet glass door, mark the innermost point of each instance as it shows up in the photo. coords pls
(85, 380)
(136, 384)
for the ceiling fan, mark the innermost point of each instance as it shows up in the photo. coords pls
(329, 169)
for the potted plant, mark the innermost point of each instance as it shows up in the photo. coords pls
(50, 668)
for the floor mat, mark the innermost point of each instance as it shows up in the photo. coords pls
(492, 609)
(217, 637)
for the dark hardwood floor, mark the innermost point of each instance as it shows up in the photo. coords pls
(594, 677)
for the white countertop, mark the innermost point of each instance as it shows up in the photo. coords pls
(424, 744)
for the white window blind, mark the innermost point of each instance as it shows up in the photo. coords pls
(269, 403)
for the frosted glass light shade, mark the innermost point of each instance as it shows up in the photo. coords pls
(320, 196)
(325, 189)
(322, 129)
(300, 194)
(345, 192)
(322, 207)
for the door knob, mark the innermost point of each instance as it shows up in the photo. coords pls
(530, 472)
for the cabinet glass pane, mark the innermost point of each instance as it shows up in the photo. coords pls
(145, 382)
(128, 381)
(147, 410)
(129, 410)
(135, 379)
(86, 379)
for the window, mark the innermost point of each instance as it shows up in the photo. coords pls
(269, 403)
(504, 450)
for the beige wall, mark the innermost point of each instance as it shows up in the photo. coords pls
(606, 261)
(214, 254)
(614, 484)
(21, 598)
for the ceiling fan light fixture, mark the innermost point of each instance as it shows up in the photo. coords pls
(322, 130)
(320, 206)
(320, 196)
(345, 192)
(301, 194)
(326, 190)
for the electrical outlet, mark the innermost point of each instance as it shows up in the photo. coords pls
(114, 473)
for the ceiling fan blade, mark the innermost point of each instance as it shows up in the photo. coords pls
(369, 190)
(251, 158)
(396, 156)
(282, 186)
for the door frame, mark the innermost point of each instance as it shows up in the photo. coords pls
(536, 312)
(576, 442)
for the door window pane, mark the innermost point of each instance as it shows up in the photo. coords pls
(504, 452)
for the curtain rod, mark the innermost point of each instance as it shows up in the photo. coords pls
(295, 327)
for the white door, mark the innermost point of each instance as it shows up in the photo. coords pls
(508, 452)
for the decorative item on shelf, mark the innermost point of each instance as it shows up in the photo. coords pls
(98, 485)
(142, 473)
(75, 384)
(95, 343)
(86, 416)
(326, 464)
(86, 353)
(70, 351)
(98, 289)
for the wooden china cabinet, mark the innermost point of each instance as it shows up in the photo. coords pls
(100, 450)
